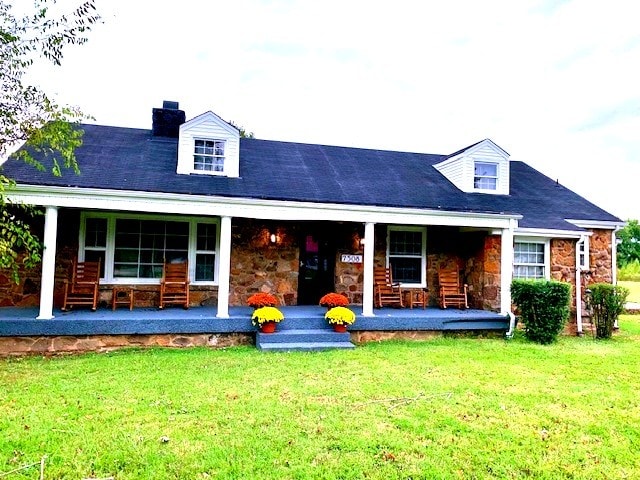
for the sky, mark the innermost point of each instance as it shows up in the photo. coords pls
(554, 83)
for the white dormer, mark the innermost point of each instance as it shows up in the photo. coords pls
(208, 145)
(480, 168)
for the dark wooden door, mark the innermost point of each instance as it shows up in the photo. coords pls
(317, 266)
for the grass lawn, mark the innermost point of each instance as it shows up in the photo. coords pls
(634, 290)
(443, 408)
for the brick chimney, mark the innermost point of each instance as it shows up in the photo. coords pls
(167, 120)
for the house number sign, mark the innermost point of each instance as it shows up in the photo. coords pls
(346, 258)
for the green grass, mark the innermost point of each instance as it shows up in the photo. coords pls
(443, 408)
(634, 290)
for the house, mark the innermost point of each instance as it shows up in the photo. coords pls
(299, 220)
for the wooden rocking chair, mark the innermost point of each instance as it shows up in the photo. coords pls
(83, 287)
(174, 286)
(452, 293)
(385, 291)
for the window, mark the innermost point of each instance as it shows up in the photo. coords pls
(530, 260)
(406, 255)
(485, 175)
(209, 155)
(583, 253)
(205, 252)
(142, 246)
(134, 248)
(95, 245)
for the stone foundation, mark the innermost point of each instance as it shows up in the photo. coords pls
(14, 346)
(380, 336)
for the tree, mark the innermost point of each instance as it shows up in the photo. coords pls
(29, 117)
(243, 132)
(629, 247)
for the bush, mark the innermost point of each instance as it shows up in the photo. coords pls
(606, 302)
(544, 307)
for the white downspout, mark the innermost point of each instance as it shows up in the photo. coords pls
(47, 282)
(614, 262)
(579, 287)
(506, 275)
(614, 255)
(367, 282)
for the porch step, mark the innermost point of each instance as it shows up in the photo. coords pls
(303, 340)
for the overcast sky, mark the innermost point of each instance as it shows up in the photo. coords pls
(554, 83)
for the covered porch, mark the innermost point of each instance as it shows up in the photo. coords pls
(204, 320)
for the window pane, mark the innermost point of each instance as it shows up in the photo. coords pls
(143, 245)
(405, 243)
(94, 256)
(208, 155)
(482, 169)
(95, 232)
(205, 264)
(529, 261)
(406, 270)
(206, 237)
(485, 183)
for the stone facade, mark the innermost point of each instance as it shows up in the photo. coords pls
(257, 265)
(100, 343)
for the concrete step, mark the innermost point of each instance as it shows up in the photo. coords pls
(304, 346)
(305, 323)
(303, 339)
(302, 335)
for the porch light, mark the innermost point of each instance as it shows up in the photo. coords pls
(273, 238)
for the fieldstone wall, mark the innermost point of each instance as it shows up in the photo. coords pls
(600, 257)
(257, 265)
(10, 346)
(449, 248)
(492, 258)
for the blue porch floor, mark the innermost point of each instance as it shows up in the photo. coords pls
(22, 322)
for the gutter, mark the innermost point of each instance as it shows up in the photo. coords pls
(579, 331)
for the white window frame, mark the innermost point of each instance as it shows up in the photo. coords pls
(214, 156)
(582, 247)
(547, 255)
(496, 177)
(111, 218)
(423, 253)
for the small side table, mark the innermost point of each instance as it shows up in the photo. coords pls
(122, 296)
(416, 297)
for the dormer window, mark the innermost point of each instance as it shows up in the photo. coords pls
(485, 175)
(208, 145)
(209, 155)
(479, 168)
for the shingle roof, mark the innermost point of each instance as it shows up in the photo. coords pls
(132, 159)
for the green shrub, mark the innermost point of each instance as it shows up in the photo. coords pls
(606, 302)
(544, 307)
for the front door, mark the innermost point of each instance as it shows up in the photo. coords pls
(317, 266)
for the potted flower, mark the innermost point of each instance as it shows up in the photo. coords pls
(262, 299)
(266, 318)
(331, 300)
(340, 317)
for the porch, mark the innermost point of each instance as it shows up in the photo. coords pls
(21, 322)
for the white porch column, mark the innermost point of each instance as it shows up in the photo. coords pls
(506, 268)
(48, 263)
(224, 267)
(367, 293)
